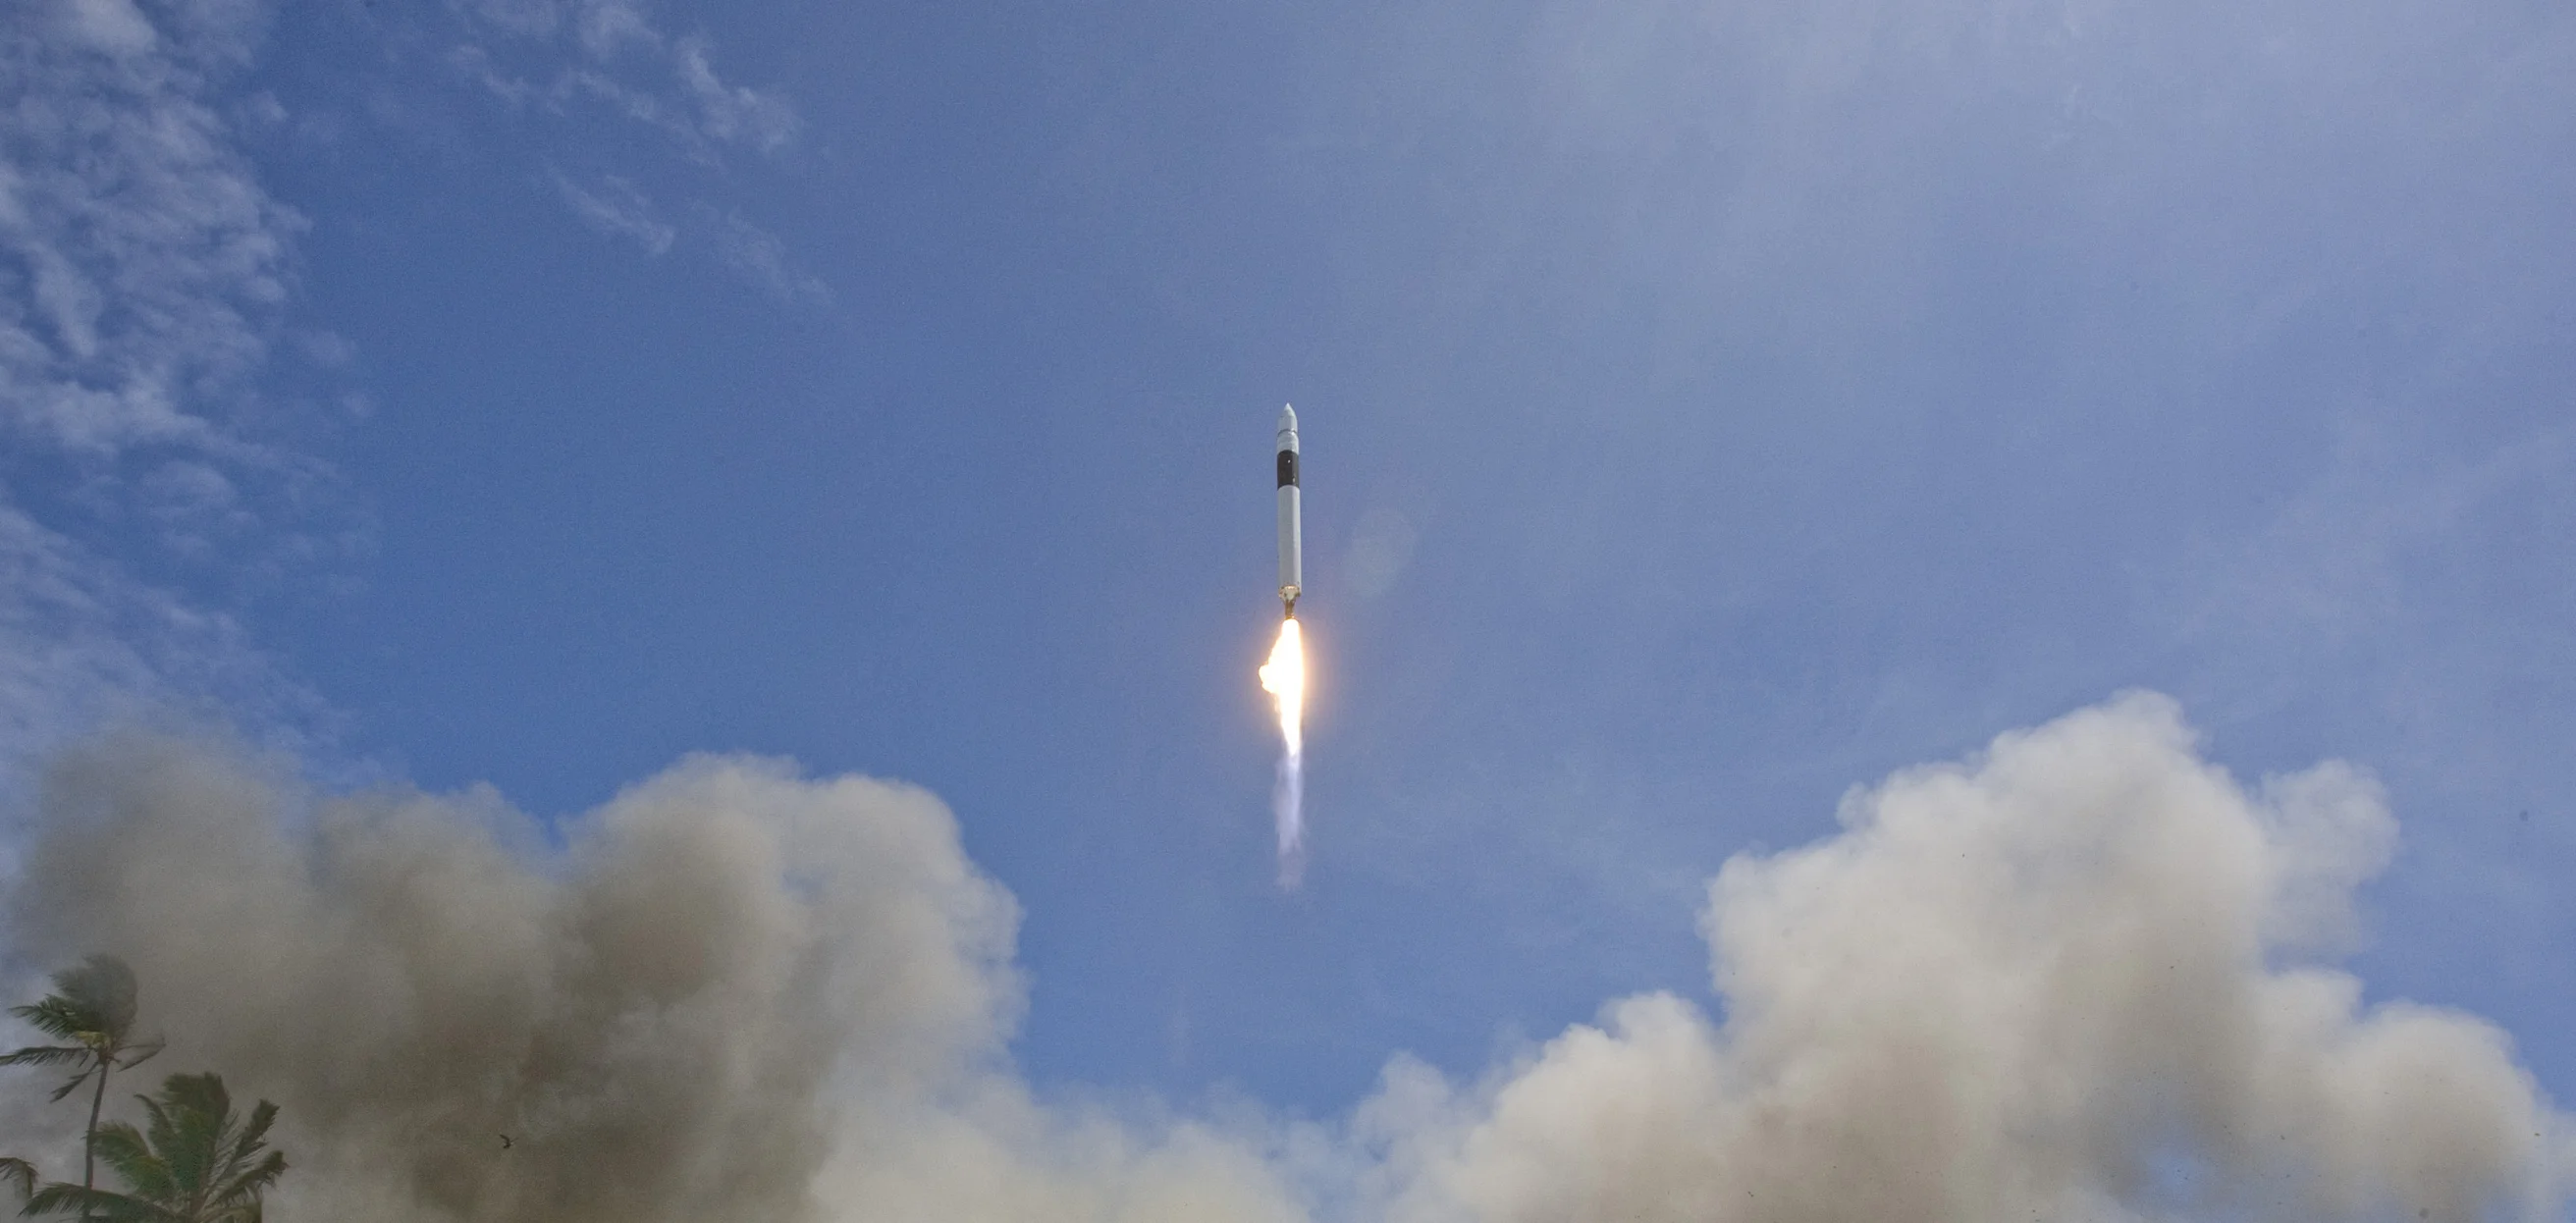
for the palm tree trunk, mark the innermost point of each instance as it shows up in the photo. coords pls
(89, 1144)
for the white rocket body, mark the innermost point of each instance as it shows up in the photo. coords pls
(1292, 543)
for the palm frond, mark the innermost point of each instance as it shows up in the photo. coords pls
(58, 1016)
(255, 1134)
(73, 1083)
(20, 1173)
(44, 1055)
(99, 1204)
(136, 1055)
(246, 1144)
(186, 1126)
(127, 1154)
(247, 1185)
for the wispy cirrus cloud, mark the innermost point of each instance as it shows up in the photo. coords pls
(611, 205)
(579, 62)
(144, 270)
(141, 261)
(562, 53)
(758, 256)
(84, 641)
(147, 274)
(614, 207)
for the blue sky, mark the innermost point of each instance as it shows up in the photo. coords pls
(1708, 408)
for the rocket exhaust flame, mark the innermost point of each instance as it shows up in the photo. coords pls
(1284, 678)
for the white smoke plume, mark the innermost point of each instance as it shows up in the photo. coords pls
(2070, 979)
(2081, 976)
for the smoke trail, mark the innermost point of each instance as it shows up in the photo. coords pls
(1287, 807)
(1284, 677)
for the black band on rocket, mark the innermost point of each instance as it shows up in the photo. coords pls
(1287, 469)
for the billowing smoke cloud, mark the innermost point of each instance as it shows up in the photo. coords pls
(2072, 979)
(733, 993)
(2081, 976)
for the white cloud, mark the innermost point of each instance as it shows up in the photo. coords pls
(610, 51)
(141, 262)
(759, 257)
(562, 57)
(731, 112)
(607, 25)
(82, 641)
(143, 268)
(617, 209)
(113, 26)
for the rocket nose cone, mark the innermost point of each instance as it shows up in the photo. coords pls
(1287, 418)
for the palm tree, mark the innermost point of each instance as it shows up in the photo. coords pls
(196, 1162)
(92, 1007)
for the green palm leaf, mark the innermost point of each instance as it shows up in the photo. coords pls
(63, 1018)
(20, 1173)
(99, 1204)
(194, 1161)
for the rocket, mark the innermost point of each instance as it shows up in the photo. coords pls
(1292, 543)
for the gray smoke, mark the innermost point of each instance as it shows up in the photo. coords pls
(731, 993)
(2083, 976)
